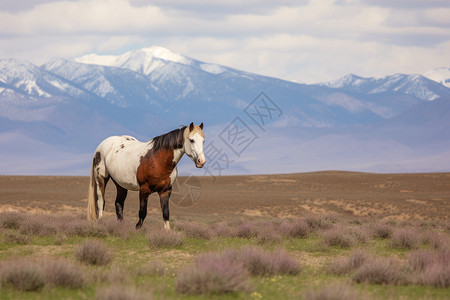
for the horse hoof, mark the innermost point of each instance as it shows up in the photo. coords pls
(138, 225)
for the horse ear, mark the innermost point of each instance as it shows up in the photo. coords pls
(201, 126)
(191, 127)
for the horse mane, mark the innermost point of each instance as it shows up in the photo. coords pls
(171, 140)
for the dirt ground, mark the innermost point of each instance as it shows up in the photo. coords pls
(382, 196)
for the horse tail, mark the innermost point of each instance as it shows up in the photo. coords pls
(92, 209)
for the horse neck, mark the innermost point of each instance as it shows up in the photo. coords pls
(177, 154)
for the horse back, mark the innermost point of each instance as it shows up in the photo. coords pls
(121, 158)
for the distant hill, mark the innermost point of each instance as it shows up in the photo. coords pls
(53, 116)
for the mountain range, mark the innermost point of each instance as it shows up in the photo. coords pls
(53, 116)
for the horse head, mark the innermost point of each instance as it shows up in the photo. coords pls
(194, 138)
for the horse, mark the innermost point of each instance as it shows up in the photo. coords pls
(146, 167)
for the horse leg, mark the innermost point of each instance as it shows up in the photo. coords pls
(164, 197)
(101, 188)
(120, 200)
(144, 192)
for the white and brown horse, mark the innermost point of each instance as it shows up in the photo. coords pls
(145, 167)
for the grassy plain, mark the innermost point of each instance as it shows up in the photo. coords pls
(312, 223)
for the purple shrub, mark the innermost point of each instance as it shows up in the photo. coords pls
(23, 275)
(434, 267)
(420, 260)
(406, 238)
(338, 237)
(320, 221)
(246, 230)
(283, 263)
(39, 225)
(297, 228)
(361, 234)
(222, 229)
(62, 273)
(213, 273)
(261, 263)
(33, 275)
(381, 230)
(443, 256)
(93, 252)
(343, 265)
(119, 228)
(437, 240)
(16, 238)
(11, 220)
(378, 271)
(267, 234)
(358, 258)
(436, 275)
(75, 227)
(195, 230)
(162, 238)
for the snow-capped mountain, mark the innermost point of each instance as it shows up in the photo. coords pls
(441, 75)
(415, 85)
(64, 108)
(143, 61)
(18, 76)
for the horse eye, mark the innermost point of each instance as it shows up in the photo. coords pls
(191, 140)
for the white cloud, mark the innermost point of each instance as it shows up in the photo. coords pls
(304, 41)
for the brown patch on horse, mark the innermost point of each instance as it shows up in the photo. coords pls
(155, 169)
(96, 160)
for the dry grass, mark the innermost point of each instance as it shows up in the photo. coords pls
(152, 268)
(16, 238)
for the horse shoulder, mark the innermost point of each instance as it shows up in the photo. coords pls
(156, 169)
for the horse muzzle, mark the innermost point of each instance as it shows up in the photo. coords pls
(200, 162)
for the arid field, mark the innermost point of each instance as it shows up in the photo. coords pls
(321, 235)
(382, 196)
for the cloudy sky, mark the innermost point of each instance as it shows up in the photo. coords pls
(306, 41)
